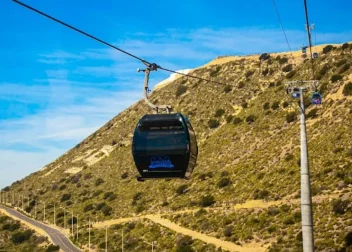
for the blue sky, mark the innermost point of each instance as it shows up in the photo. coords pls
(58, 86)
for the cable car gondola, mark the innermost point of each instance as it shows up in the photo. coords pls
(164, 145)
(295, 92)
(316, 98)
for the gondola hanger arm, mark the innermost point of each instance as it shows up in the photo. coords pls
(151, 67)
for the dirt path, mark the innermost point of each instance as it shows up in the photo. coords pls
(247, 205)
(205, 238)
(157, 218)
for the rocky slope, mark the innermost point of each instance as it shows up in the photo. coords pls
(15, 237)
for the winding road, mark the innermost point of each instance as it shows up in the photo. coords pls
(57, 237)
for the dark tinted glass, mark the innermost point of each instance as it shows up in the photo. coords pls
(161, 125)
(149, 140)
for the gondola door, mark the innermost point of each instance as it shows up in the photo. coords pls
(193, 150)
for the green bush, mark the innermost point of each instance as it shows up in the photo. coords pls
(54, 187)
(181, 89)
(75, 178)
(106, 210)
(285, 104)
(19, 237)
(99, 206)
(140, 208)
(99, 181)
(266, 105)
(273, 211)
(291, 117)
(224, 174)
(344, 68)
(181, 189)
(88, 176)
(297, 216)
(97, 193)
(62, 187)
(290, 74)
(272, 229)
(347, 89)
(241, 84)
(340, 62)
(287, 68)
(275, 105)
(200, 212)
(11, 227)
(250, 119)
(312, 113)
(348, 239)
(219, 112)
(335, 78)
(324, 70)
(109, 196)
(249, 74)
(339, 206)
(184, 245)
(223, 182)
(227, 88)
(237, 120)
(228, 231)
(327, 48)
(137, 196)
(289, 157)
(60, 214)
(283, 60)
(260, 194)
(212, 123)
(52, 248)
(28, 209)
(244, 105)
(229, 118)
(4, 218)
(264, 56)
(65, 197)
(184, 240)
(345, 46)
(289, 220)
(124, 175)
(206, 201)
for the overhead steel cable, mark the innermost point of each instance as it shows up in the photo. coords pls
(112, 46)
(282, 27)
(78, 30)
(192, 76)
(309, 38)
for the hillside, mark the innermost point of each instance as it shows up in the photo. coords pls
(248, 137)
(14, 237)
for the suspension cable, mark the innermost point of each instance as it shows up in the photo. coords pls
(282, 27)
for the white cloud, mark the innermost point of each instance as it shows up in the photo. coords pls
(16, 165)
